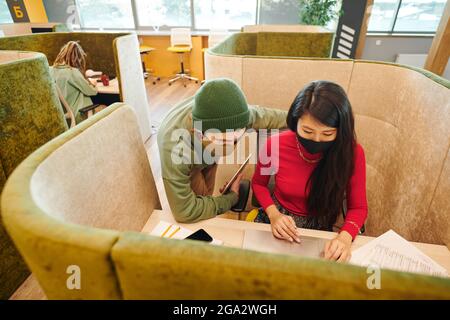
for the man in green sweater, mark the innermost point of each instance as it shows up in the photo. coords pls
(188, 171)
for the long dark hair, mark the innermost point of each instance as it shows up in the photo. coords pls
(328, 103)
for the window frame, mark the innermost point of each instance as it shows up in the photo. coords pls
(193, 26)
(391, 30)
(257, 8)
(82, 27)
(164, 28)
(138, 27)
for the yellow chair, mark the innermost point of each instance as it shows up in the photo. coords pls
(181, 43)
(251, 216)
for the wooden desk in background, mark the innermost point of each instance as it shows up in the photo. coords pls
(231, 232)
(113, 87)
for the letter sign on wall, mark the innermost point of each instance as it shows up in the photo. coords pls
(18, 10)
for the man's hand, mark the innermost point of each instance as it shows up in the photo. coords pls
(235, 186)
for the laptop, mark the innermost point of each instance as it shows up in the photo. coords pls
(264, 241)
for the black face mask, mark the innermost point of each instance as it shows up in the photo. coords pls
(313, 146)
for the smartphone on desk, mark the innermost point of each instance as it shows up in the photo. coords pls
(200, 235)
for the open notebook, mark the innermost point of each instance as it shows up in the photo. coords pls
(391, 251)
(173, 231)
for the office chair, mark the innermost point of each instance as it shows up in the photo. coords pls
(215, 37)
(85, 112)
(181, 43)
(68, 113)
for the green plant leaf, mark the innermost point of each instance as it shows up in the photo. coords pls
(319, 12)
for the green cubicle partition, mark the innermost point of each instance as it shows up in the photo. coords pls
(30, 115)
(115, 54)
(283, 44)
(98, 47)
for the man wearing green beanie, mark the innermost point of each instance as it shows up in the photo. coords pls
(188, 173)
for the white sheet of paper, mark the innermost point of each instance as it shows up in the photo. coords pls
(264, 241)
(391, 251)
(162, 226)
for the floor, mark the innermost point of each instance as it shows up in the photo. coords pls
(161, 98)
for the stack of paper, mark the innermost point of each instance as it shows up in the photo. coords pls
(391, 251)
(173, 231)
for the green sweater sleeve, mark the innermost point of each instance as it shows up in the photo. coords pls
(78, 81)
(267, 118)
(186, 206)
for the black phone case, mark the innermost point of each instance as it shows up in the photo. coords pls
(200, 235)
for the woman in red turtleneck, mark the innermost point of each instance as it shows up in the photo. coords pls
(317, 166)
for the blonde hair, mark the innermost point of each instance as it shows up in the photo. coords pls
(72, 55)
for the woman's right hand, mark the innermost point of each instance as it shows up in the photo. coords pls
(283, 226)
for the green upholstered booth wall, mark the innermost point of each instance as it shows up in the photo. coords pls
(293, 44)
(30, 115)
(154, 268)
(237, 44)
(98, 47)
(282, 44)
(438, 79)
(245, 44)
(48, 244)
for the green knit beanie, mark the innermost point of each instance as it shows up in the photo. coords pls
(220, 104)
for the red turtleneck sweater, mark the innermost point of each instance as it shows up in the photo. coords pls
(292, 173)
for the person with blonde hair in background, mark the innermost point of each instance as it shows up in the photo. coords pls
(68, 71)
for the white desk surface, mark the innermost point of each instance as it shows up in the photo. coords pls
(231, 232)
(113, 87)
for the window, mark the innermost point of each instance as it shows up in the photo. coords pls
(5, 15)
(406, 16)
(423, 16)
(112, 14)
(224, 14)
(383, 15)
(388, 16)
(279, 12)
(156, 13)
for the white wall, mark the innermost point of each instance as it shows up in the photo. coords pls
(386, 48)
